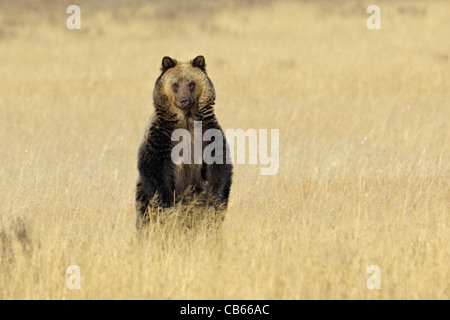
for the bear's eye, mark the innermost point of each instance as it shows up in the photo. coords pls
(175, 86)
(191, 86)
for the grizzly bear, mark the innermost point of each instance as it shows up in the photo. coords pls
(183, 96)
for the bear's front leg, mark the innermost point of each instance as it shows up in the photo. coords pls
(142, 202)
(148, 202)
(155, 186)
(219, 178)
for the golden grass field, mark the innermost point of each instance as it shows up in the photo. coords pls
(364, 150)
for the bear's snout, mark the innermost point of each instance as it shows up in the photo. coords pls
(185, 102)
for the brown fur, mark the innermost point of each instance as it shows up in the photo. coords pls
(183, 94)
(187, 175)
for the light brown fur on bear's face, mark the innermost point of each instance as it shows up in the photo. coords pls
(184, 88)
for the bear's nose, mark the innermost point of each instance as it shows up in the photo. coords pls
(185, 102)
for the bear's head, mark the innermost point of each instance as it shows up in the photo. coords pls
(183, 86)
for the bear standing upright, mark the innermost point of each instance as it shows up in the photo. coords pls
(183, 96)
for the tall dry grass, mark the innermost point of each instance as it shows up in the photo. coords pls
(364, 150)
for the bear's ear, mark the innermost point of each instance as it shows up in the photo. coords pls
(168, 63)
(199, 62)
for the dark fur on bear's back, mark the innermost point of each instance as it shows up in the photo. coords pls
(183, 94)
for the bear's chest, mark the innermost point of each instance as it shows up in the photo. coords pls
(188, 173)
